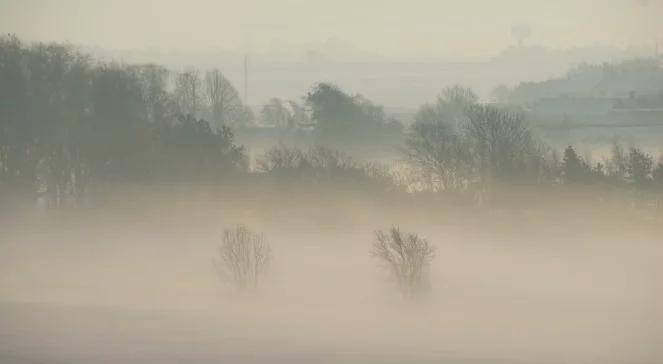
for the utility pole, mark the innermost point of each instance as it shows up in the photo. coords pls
(246, 79)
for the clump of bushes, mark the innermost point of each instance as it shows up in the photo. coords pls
(244, 258)
(407, 257)
(322, 165)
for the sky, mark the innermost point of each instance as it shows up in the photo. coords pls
(389, 28)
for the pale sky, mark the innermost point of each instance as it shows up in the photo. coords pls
(406, 28)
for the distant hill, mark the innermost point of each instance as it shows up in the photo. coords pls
(393, 83)
(628, 92)
(625, 79)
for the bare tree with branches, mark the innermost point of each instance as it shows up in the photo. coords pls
(154, 88)
(502, 141)
(188, 92)
(407, 257)
(245, 256)
(226, 107)
(440, 155)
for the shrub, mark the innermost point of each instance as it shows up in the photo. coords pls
(245, 256)
(407, 257)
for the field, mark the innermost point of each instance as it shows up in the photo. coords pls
(136, 283)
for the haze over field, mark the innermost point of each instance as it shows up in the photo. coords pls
(368, 47)
(129, 289)
(331, 182)
(417, 29)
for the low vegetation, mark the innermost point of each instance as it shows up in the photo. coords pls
(244, 258)
(407, 258)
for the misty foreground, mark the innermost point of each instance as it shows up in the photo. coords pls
(133, 279)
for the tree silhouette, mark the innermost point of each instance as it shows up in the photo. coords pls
(244, 257)
(574, 168)
(407, 257)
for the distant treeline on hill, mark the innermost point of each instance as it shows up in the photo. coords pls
(607, 93)
(641, 78)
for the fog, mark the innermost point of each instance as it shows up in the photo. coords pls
(368, 47)
(422, 28)
(348, 182)
(138, 285)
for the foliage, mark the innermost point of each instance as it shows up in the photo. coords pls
(65, 120)
(657, 174)
(574, 168)
(321, 164)
(639, 167)
(340, 116)
(453, 147)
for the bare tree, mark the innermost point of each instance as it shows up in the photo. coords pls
(458, 98)
(407, 257)
(440, 155)
(153, 82)
(245, 256)
(225, 104)
(503, 142)
(283, 159)
(188, 92)
(436, 147)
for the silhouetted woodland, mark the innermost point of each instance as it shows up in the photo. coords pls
(67, 120)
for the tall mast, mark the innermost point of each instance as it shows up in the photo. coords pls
(246, 79)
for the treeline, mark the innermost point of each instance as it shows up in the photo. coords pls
(321, 165)
(632, 167)
(330, 116)
(636, 83)
(67, 120)
(458, 144)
